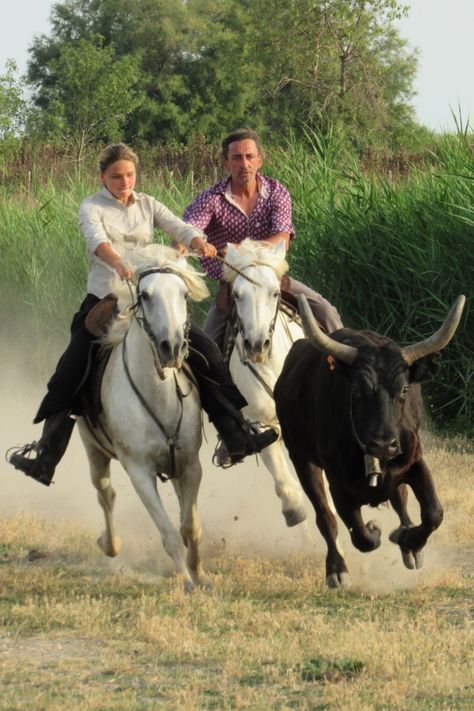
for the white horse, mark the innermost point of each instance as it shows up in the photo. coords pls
(151, 414)
(263, 335)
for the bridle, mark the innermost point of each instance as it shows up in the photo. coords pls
(237, 327)
(172, 438)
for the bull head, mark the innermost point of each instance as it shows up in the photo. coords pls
(376, 399)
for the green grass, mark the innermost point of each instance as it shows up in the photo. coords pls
(392, 255)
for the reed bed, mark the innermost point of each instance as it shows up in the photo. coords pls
(391, 254)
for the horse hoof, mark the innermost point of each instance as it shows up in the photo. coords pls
(189, 587)
(111, 546)
(338, 580)
(294, 516)
(205, 583)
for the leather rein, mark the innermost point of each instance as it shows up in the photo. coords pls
(172, 438)
(237, 327)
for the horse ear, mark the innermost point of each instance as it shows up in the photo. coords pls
(280, 249)
(231, 250)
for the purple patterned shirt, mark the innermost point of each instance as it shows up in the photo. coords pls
(222, 220)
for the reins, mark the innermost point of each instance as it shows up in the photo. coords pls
(172, 438)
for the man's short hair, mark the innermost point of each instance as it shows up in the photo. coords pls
(240, 134)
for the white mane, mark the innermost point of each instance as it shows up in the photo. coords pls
(251, 253)
(141, 259)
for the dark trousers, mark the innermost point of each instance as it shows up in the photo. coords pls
(219, 395)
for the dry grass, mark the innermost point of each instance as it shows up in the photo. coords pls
(269, 636)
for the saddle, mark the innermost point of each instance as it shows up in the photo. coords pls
(97, 321)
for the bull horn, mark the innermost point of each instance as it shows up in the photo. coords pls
(438, 340)
(323, 343)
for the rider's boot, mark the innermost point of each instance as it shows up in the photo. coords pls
(49, 450)
(240, 438)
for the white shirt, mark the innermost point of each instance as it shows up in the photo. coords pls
(103, 218)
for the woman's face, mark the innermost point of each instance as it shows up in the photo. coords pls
(119, 178)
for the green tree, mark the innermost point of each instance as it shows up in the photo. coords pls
(208, 65)
(93, 94)
(13, 113)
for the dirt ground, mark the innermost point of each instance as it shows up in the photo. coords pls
(240, 513)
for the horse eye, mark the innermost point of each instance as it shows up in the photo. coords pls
(236, 296)
(276, 294)
(145, 296)
(404, 392)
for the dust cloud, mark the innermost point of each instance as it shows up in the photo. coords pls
(240, 512)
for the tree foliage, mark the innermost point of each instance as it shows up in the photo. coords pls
(205, 66)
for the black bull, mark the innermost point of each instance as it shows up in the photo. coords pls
(343, 401)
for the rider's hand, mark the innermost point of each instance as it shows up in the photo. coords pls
(124, 271)
(180, 248)
(203, 248)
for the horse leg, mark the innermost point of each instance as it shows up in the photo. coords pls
(144, 482)
(314, 484)
(286, 486)
(99, 464)
(187, 488)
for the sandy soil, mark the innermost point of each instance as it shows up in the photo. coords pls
(239, 510)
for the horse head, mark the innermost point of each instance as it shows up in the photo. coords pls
(163, 283)
(254, 270)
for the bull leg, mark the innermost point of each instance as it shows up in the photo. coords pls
(186, 488)
(286, 486)
(399, 502)
(413, 539)
(313, 482)
(364, 537)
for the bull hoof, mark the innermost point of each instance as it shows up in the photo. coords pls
(110, 545)
(413, 560)
(338, 580)
(373, 527)
(294, 516)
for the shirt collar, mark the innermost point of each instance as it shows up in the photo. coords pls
(262, 187)
(106, 193)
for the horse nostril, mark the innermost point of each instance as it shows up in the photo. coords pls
(165, 347)
(246, 344)
(266, 343)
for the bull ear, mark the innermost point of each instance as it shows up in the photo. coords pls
(425, 368)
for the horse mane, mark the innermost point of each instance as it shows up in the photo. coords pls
(252, 253)
(141, 259)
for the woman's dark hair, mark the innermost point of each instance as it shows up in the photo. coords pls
(115, 152)
(240, 134)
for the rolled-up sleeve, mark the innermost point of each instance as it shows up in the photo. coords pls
(91, 226)
(200, 212)
(174, 226)
(281, 211)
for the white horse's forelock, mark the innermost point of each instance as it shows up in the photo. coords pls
(251, 253)
(141, 259)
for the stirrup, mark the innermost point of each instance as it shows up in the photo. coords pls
(221, 457)
(24, 451)
(21, 459)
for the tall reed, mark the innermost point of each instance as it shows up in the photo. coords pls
(391, 254)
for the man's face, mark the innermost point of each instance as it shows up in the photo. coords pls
(243, 162)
